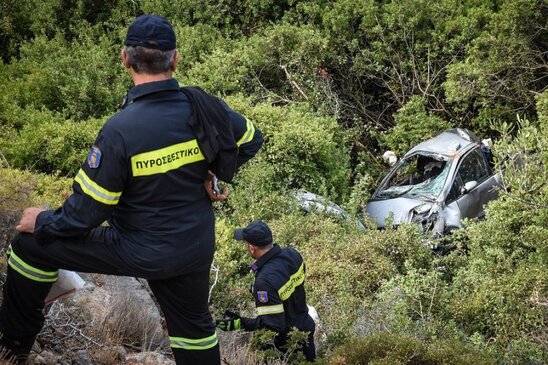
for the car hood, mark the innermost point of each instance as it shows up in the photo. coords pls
(380, 210)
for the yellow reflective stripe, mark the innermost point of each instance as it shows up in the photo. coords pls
(294, 281)
(95, 191)
(248, 135)
(270, 309)
(30, 272)
(194, 344)
(8, 252)
(166, 159)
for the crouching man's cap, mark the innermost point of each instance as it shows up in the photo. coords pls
(151, 31)
(257, 233)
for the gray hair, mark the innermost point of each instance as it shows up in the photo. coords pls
(147, 60)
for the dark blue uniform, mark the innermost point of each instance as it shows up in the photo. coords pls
(280, 298)
(144, 175)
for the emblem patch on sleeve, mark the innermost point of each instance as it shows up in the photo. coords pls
(94, 157)
(262, 296)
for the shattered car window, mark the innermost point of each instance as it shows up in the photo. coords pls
(419, 176)
(474, 167)
(430, 188)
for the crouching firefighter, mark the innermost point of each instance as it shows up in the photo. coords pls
(278, 290)
(149, 175)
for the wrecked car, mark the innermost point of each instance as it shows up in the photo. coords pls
(437, 184)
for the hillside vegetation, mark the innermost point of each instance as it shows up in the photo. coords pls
(332, 85)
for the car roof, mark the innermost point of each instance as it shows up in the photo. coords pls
(447, 143)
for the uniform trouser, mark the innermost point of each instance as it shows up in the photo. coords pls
(33, 268)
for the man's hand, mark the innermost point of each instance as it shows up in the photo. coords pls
(231, 322)
(210, 184)
(28, 220)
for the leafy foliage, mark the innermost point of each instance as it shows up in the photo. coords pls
(500, 291)
(330, 84)
(302, 150)
(60, 83)
(280, 63)
(413, 126)
(20, 189)
(52, 146)
(503, 63)
(388, 349)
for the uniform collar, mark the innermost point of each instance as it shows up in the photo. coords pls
(149, 88)
(274, 251)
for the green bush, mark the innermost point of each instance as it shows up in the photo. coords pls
(542, 110)
(391, 349)
(498, 292)
(419, 295)
(301, 151)
(233, 18)
(281, 63)
(80, 79)
(231, 274)
(287, 355)
(21, 189)
(195, 44)
(414, 125)
(15, 190)
(54, 147)
(501, 304)
(501, 68)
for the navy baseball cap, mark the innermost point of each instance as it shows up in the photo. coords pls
(257, 233)
(151, 31)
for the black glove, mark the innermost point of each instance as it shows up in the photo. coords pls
(231, 322)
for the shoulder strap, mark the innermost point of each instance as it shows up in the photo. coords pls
(210, 123)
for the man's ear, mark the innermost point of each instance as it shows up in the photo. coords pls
(125, 61)
(173, 64)
(252, 249)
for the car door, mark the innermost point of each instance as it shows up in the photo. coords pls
(472, 167)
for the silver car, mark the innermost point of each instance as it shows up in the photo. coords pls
(437, 184)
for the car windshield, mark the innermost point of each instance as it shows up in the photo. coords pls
(418, 176)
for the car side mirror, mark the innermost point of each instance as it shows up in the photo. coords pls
(470, 185)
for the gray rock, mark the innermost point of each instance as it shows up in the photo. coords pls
(82, 358)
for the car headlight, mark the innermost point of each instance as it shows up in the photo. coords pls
(421, 212)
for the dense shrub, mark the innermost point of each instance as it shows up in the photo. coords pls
(281, 64)
(365, 178)
(301, 151)
(498, 294)
(231, 275)
(21, 189)
(329, 83)
(381, 54)
(81, 79)
(414, 125)
(502, 66)
(394, 349)
(542, 110)
(56, 146)
(233, 18)
(194, 46)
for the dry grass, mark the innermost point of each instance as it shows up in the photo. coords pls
(129, 320)
(3, 359)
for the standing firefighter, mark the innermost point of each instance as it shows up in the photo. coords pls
(278, 290)
(145, 174)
